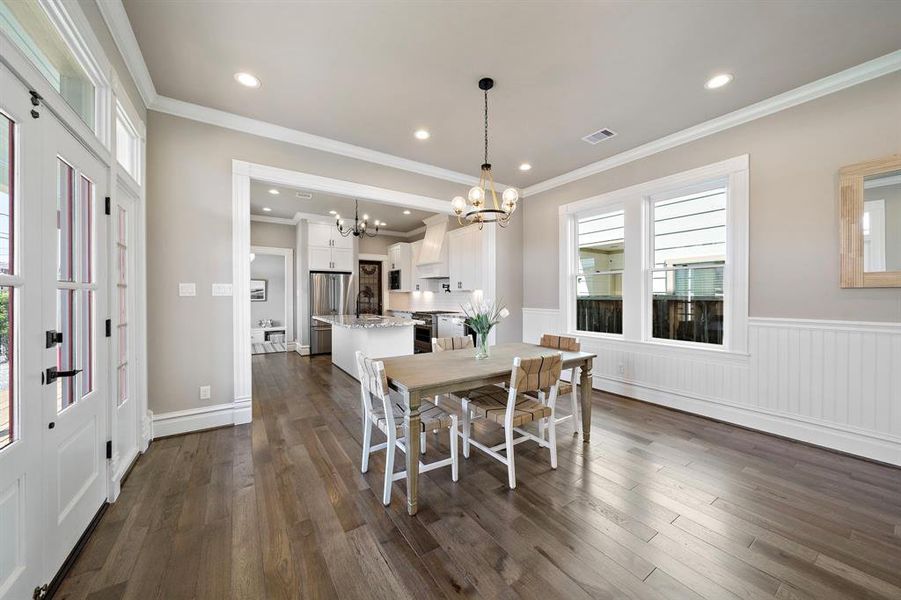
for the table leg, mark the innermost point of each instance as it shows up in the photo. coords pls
(585, 397)
(411, 430)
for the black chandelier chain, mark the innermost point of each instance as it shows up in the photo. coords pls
(486, 127)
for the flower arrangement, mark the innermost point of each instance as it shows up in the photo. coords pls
(481, 317)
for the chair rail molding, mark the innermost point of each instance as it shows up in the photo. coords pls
(829, 383)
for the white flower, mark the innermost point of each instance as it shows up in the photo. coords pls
(504, 313)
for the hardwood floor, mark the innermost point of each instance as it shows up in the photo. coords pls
(660, 505)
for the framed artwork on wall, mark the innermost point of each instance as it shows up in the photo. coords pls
(257, 290)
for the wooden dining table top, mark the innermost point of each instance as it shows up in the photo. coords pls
(433, 369)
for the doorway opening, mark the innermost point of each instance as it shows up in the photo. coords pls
(271, 299)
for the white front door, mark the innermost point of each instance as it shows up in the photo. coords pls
(122, 350)
(21, 346)
(74, 300)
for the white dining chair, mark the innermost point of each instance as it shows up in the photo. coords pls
(569, 344)
(452, 343)
(511, 408)
(386, 413)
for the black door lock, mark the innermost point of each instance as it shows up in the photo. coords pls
(54, 338)
(51, 374)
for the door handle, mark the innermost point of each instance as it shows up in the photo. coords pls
(54, 338)
(52, 374)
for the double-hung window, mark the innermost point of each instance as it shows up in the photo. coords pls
(662, 262)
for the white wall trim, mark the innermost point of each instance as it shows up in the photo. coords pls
(205, 417)
(241, 281)
(805, 93)
(275, 220)
(113, 12)
(828, 383)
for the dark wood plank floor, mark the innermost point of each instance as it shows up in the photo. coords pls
(660, 505)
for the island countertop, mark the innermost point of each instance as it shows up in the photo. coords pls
(365, 321)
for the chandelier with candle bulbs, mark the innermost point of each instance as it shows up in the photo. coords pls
(360, 227)
(476, 208)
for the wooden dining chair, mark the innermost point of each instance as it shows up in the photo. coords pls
(568, 344)
(452, 343)
(511, 408)
(387, 414)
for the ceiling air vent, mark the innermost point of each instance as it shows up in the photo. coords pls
(599, 136)
(304, 195)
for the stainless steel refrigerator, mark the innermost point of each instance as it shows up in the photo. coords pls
(329, 295)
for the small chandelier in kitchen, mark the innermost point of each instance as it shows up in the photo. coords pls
(360, 228)
(475, 208)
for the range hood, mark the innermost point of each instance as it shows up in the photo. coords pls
(432, 263)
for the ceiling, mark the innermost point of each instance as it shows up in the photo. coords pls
(371, 73)
(286, 204)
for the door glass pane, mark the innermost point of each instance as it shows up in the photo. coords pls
(7, 397)
(86, 358)
(123, 344)
(65, 216)
(86, 203)
(30, 29)
(65, 352)
(123, 384)
(7, 152)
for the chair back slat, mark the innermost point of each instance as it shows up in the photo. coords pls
(533, 374)
(451, 343)
(374, 385)
(560, 342)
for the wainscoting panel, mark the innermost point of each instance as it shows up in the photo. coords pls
(832, 383)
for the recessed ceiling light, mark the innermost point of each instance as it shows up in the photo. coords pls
(274, 192)
(383, 224)
(422, 134)
(246, 79)
(718, 81)
(267, 209)
(525, 167)
(406, 212)
(333, 212)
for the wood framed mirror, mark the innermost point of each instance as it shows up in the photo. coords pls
(871, 223)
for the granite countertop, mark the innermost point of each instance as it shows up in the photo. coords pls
(365, 321)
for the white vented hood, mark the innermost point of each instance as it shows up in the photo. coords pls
(433, 243)
(432, 260)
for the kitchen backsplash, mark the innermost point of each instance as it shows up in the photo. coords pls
(428, 300)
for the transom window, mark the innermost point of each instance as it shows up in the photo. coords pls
(663, 262)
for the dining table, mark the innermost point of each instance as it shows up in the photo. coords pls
(421, 376)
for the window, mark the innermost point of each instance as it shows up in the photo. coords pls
(599, 274)
(128, 144)
(661, 262)
(689, 259)
(27, 24)
(7, 276)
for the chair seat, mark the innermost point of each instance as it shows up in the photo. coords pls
(431, 417)
(562, 390)
(490, 402)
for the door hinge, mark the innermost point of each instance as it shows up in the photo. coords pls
(35, 102)
(109, 328)
(40, 592)
(109, 449)
(107, 208)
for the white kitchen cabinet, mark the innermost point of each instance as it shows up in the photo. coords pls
(465, 258)
(328, 249)
(420, 284)
(400, 258)
(451, 326)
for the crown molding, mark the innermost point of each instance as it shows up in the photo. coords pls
(220, 118)
(805, 93)
(275, 220)
(113, 12)
(327, 219)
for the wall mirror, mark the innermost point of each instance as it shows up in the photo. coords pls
(871, 223)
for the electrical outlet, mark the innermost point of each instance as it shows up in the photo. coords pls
(187, 289)
(204, 392)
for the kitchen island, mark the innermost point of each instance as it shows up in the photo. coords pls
(374, 335)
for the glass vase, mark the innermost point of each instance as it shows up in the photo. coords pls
(481, 345)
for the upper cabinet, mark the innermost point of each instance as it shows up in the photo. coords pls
(400, 260)
(328, 249)
(464, 251)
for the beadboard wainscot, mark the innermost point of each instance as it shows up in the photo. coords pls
(835, 384)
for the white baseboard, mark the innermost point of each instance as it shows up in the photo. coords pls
(292, 346)
(205, 417)
(799, 379)
(302, 350)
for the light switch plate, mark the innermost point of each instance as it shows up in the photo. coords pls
(222, 289)
(204, 392)
(187, 289)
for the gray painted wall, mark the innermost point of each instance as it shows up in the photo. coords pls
(189, 175)
(274, 235)
(795, 156)
(271, 268)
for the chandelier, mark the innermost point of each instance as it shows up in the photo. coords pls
(476, 208)
(360, 227)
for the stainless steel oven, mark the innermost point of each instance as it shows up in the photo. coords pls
(423, 333)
